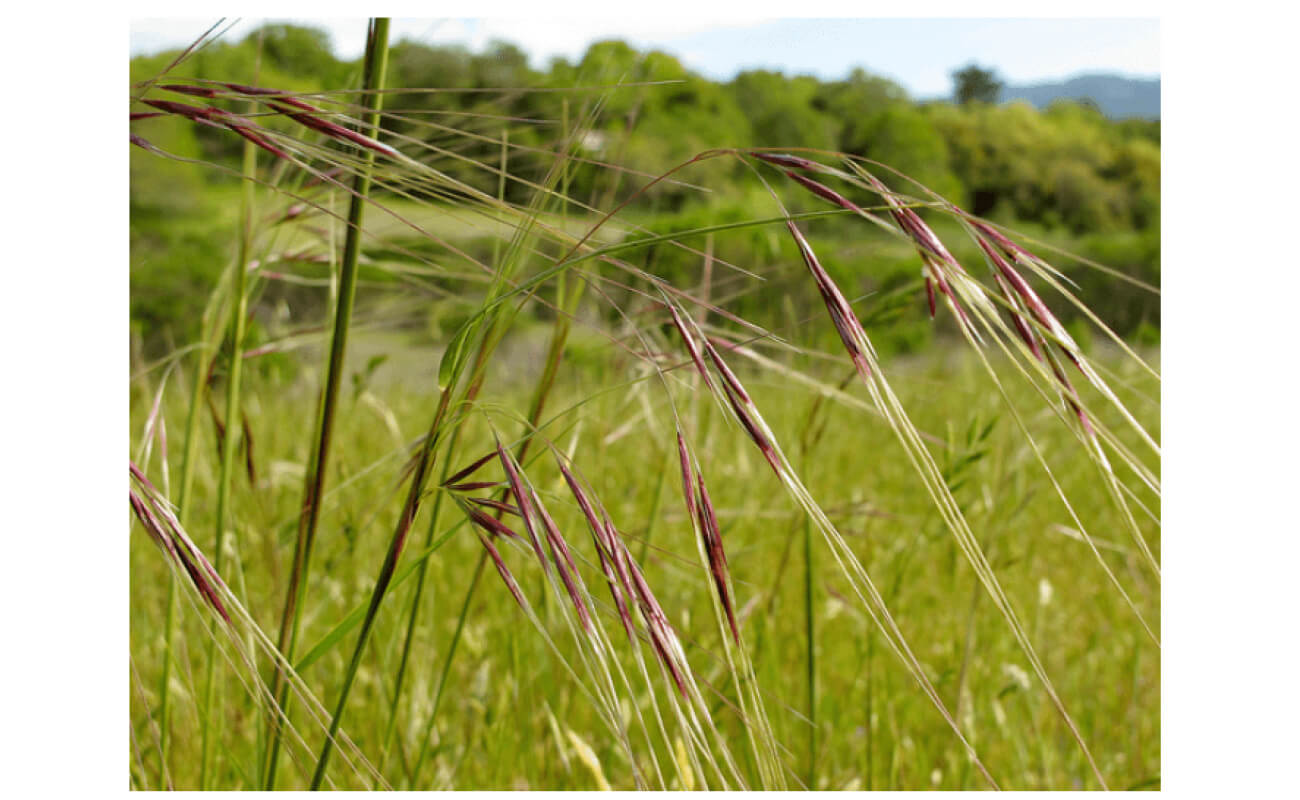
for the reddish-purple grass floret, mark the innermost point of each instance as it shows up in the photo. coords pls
(823, 191)
(523, 498)
(472, 486)
(498, 505)
(841, 313)
(193, 91)
(490, 524)
(334, 130)
(787, 160)
(280, 95)
(470, 470)
(687, 473)
(717, 556)
(563, 561)
(175, 547)
(504, 571)
(143, 144)
(1018, 320)
(691, 346)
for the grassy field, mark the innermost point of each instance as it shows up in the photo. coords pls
(509, 707)
(451, 491)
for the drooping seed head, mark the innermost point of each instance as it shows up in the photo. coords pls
(524, 498)
(169, 540)
(491, 524)
(1071, 397)
(279, 94)
(842, 317)
(717, 556)
(729, 379)
(598, 530)
(504, 571)
(742, 407)
(563, 561)
(470, 470)
(334, 130)
(1023, 290)
(258, 140)
(1017, 318)
(193, 91)
(1013, 251)
(504, 508)
(691, 346)
(824, 192)
(788, 161)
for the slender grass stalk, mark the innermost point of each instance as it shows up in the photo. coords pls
(238, 319)
(376, 65)
(566, 304)
(386, 571)
(188, 460)
(434, 516)
(504, 164)
(446, 663)
(810, 644)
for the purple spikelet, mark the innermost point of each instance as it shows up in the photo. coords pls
(824, 192)
(841, 313)
(702, 511)
(166, 535)
(788, 161)
(691, 346)
(470, 470)
(503, 571)
(523, 498)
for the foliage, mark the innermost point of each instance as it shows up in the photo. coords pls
(974, 84)
(1068, 169)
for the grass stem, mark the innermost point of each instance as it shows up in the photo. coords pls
(376, 64)
(238, 320)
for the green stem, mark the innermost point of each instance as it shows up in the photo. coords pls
(446, 664)
(810, 640)
(238, 319)
(437, 503)
(183, 509)
(386, 571)
(421, 575)
(376, 64)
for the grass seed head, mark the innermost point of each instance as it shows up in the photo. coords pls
(717, 556)
(824, 192)
(523, 496)
(846, 322)
(691, 346)
(193, 91)
(788, 161)
(491, 524)
(503, 571)
(166, 536)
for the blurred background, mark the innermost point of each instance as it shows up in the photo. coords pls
(1051, 127)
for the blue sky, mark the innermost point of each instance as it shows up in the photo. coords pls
(918, 53)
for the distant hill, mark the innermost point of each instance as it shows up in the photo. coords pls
(1116, 96)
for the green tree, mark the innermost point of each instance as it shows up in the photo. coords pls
(973, 84)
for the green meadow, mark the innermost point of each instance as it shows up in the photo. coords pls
(650, 467)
